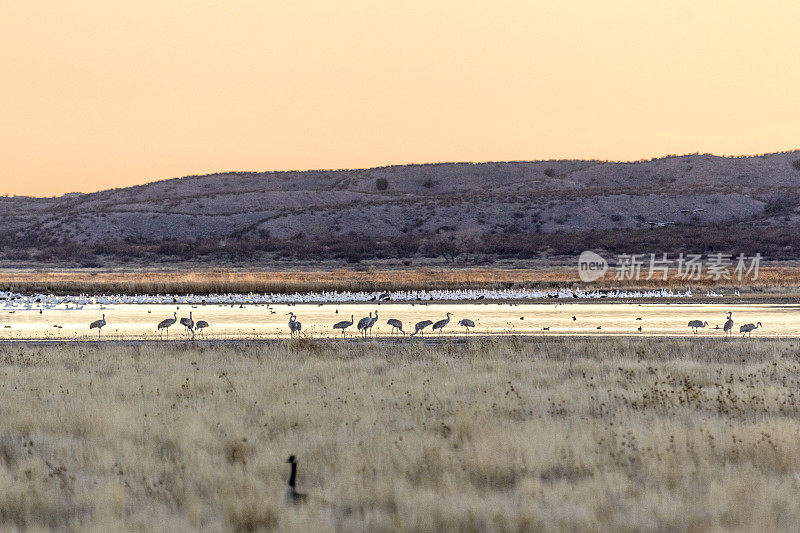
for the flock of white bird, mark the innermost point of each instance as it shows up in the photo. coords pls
(16, 301)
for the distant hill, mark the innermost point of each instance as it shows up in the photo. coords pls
(478, 211)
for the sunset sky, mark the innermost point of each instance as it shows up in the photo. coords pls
(99, 94)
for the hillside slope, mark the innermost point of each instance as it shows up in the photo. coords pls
(412, 203)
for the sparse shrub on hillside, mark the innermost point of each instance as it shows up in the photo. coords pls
(616, 217)
(781, 204)
(550, 172)
(428, 183)
(796, 164)
(381, 184)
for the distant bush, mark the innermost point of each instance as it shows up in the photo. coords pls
(796, 164)
(780, 205)
(549, 172)
(381, 184)
(428, 183)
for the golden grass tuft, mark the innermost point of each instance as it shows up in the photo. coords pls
(494, 434)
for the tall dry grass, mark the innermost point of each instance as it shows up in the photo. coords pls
(492, 435)
(67, 281)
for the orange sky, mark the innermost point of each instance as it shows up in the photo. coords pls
(103, 93)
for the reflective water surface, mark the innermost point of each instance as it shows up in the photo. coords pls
(134, 321)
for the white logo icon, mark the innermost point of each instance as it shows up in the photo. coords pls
(591, 266)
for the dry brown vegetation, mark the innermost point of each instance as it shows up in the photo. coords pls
(67, 281)
(600, 434)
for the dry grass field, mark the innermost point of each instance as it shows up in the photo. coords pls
(492, 435)
(92, 281)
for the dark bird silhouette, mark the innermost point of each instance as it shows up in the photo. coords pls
(292, 496)
(201, 325)
(372, 323)
(188, 323)
(695, 324)
(466, 323)
(396, 325)
(166, 323)
(747, 329)
(364, 324)
(294, 325)
(728, 327)
(98, 325)
(441, 323)
(420, 326)
(344, 324)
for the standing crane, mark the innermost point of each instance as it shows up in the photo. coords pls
(344, 324)
(166, 323)
(396, 325)
(364, 324)
(441, 323)
(420, 326)
(695, 324)
(728, 327)
(188, 323)
(747, 329)
(98, 325)
(294, 325)
(466, 323)
(372, 322)
(201, 325)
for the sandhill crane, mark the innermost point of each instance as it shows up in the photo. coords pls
(372, 323)
(201, 325)
(396, 325)
(166, 323)
(364, 324)
(747, 329)
(188, 323)
(728, 327)
(695, 324)
(442, 323)
(292, 496)
(466, 323)
(98, 324)
(294, 325)
(344, 324)
(419, 326)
